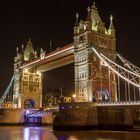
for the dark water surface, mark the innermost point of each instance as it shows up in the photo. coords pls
(46, 133)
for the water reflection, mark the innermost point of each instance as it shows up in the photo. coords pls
(46, 133)
(37, 133)
(72, 138)
(97, 135)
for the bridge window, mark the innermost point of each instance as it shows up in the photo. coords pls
(102, 40)
(85, 89)
(37, 80)
(30, 89)
(96, 39)
(24, 78)
(82, 74)
(105, 42)
(26, 89)
(94, 58)
(80, 58)
(81, 39)
(79, 74)
(31, 78)
(35, 90)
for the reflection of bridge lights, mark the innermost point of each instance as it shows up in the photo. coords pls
(72, 138)
(31, 134)
(26, 133)
(61, 137)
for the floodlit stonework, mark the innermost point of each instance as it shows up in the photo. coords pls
(93, 80)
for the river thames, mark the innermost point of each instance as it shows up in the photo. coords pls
(46, 133)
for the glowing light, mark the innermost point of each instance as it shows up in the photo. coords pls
(72, 138)
(25, 71)
(27, 112)
(94, 28)
(107, 32)
(38, 73)
(26, 133)
(31, 134)
(74, 95)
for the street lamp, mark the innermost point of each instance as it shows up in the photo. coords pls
(74, 96)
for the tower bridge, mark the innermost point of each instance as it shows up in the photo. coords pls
(97, 76)
(28, 65)
(93, 52)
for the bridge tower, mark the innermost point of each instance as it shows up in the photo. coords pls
(93, 80)
(27, 88)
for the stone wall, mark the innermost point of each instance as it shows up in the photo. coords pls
(48, 119)
(11, 116)
(89, 115)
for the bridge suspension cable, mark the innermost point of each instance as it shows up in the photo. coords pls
(130, 76)
(6, 91)
(129, 65)
(125, 74)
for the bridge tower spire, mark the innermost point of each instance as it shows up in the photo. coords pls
(76, 26)
(88, 21)
(92, 80)
(29, 51)
(111, 27)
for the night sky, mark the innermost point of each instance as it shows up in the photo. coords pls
(54, 20)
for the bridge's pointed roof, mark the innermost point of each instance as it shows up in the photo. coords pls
(111, 23)
(76, 21)
(29, 50)
(94, 15)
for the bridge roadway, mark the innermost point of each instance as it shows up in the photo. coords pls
(59, 57)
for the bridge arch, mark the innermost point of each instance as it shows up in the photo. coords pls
(102, 95)
(29, 103)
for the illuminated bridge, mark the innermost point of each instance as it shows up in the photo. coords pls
(128, 73)
(98, 77)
